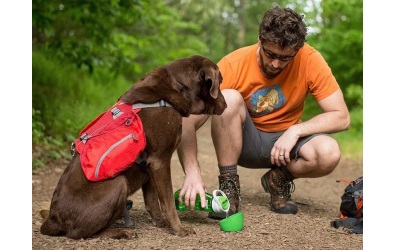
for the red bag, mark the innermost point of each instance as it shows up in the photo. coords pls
(110, 143)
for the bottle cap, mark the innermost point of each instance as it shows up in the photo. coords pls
(220, 202)
(224, 202)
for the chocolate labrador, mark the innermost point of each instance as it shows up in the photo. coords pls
(84, 209)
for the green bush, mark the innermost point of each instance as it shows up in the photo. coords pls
(45, 148)
(65, 99)
(354, 95)
(351, 140)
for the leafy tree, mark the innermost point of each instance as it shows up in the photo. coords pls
(125, 36)
(340, 40)
(86, 53)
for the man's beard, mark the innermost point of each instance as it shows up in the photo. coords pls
(267, 72)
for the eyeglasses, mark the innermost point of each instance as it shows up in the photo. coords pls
(273, 56)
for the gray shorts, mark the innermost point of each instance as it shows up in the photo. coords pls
(257, 145)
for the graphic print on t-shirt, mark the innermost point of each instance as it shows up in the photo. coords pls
(266, 100)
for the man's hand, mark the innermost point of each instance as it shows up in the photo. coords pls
(280, 153)
(193, 185)
(187, 153)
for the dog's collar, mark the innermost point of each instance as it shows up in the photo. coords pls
(160, 103)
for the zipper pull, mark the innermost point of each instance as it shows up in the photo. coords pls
(128, 122)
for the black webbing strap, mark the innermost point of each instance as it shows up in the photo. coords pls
(354, 224)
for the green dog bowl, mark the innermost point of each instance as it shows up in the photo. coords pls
(233, 223)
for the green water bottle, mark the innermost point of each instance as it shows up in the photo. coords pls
(216, 202)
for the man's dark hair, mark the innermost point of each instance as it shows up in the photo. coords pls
(283, 27)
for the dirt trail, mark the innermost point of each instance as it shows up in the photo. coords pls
(318, 200)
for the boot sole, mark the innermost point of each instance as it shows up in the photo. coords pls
(216, 216)
(220, 216)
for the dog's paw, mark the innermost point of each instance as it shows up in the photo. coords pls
(128, 234)
(117, 233)
(161, 223)
(186, 231)
(44, 214)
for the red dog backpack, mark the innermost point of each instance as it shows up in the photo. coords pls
(111, 142)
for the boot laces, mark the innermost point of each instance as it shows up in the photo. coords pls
(284, 186)
(229, 187)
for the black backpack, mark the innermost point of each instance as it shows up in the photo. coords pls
(351, 207)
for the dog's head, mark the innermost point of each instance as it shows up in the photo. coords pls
(190, 85)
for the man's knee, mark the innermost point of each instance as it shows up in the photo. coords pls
(233, 98)
(235, 104)
(328, 154)
(322, 154)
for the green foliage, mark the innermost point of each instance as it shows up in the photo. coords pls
(87, 53)
(44, 148)
(128, 37)
(351, 141)
(68, 98)
(340, 41)
(37, 127)
(354, 96)
(65, 100)
(311, 108)
(216, 27)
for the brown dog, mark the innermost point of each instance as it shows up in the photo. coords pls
(84, 209)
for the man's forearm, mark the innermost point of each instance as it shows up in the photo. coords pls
(187, 149)
(329, 122)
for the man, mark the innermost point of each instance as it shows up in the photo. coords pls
(265, 86)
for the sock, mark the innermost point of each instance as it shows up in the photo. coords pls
(232, 169)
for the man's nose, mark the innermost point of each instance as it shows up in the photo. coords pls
(276, 63)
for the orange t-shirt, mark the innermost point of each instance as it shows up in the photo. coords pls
(276, 104)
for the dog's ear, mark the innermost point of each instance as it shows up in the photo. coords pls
(213, 78)
(200, 80)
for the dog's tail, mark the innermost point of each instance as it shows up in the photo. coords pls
(44, 213)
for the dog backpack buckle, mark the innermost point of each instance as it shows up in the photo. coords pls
(73, 149)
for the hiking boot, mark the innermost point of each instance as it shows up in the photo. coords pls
(280, 188)
(230, 185)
